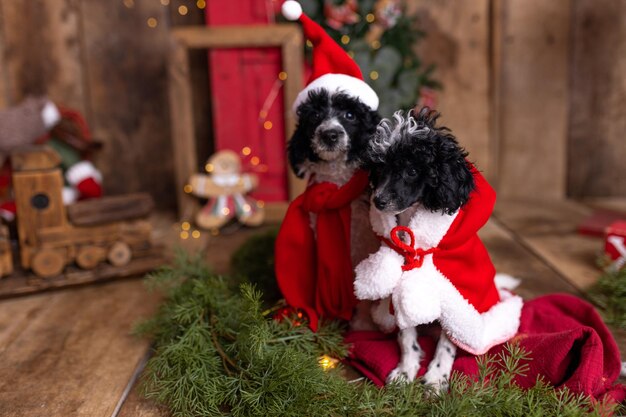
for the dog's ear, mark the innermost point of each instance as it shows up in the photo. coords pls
(449, 181)
(298, 150)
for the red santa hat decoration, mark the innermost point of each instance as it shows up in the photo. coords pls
(333, 69)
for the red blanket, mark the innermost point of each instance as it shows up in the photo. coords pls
(569, 345)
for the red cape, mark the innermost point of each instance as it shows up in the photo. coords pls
(461, 256)
(314, 270)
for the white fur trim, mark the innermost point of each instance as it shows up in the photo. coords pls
(335, 83)
(70, 195)
(506, 282)
(50, 115)
(623, 371)
(81, 171)
(378, 274)
(424, 294)
(7, 215)
(291, 10)
(429, 227)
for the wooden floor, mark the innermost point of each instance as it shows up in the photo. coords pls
(71, 352)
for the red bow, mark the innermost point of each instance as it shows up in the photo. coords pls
(413, 257)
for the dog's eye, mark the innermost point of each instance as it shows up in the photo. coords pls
(349, 116)
(411, 172)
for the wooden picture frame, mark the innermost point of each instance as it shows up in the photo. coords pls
(288, 37)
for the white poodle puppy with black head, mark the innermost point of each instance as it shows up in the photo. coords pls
(428, 204)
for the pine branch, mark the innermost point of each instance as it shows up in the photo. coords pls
(609, 293)
(218, 353)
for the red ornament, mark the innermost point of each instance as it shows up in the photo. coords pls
(294, 315)
(615, 244)
(337, 16)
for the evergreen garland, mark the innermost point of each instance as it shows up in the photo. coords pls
(381, 37)
(609, 293)
(218, 352)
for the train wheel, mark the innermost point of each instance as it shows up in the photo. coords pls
(90, 256)
(48, 263)
(119, 254)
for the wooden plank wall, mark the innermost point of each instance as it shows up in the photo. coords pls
(534, 89)
(42, 50)
(3, 76)
(126, 78)
(597, 122)
(531, 102)
(457, 42)
(102, 58)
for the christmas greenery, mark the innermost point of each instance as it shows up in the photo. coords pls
(609, 293)
(218, 351)
(253, 262)
(381, 37)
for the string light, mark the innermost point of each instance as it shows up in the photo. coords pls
(262, 168)
(309, 44)
(165, 2)
(260, 203)
(184, 235)
(327, 363)
(185, 226)
(351, 54)
(225, 211)
(215, 232)
(375, 45)
(195, 234)
(247, 208)
(201, 4)
(374, 75)
(282, 75)
(246, 151)
(152, 22)
(267, 125)
(129, 3)
(188, 188)
(370, 18)
(345, 39)
(255, 160)
(209, 167)
(182, 10)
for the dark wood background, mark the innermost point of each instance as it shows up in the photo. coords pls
(535, 89)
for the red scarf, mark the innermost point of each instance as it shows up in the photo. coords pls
(314, 271)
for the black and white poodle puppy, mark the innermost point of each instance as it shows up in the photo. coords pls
(332, 136)
(329, 144)
(418, 172)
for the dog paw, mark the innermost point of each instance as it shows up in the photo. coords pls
(403, 373)
(437, 381)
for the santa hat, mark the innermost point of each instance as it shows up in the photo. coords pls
(333, 69)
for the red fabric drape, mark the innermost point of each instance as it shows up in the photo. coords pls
(567, 341)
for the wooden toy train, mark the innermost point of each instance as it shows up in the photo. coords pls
(106, 231)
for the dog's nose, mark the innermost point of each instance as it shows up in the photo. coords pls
(380, 202)
(330, 137)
